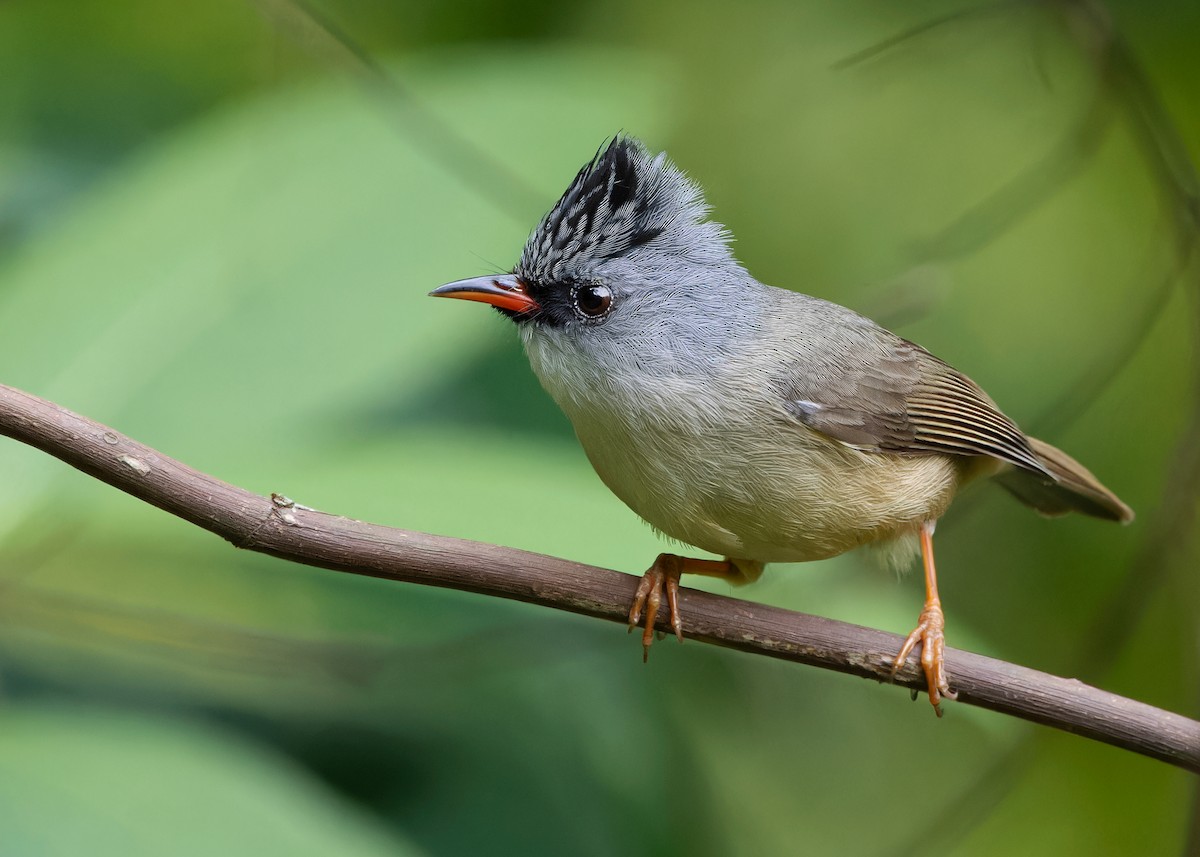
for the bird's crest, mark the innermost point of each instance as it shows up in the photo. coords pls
(623, 199)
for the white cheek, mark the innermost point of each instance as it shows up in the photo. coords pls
(568, 375)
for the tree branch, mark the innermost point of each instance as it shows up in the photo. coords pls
(281, 528)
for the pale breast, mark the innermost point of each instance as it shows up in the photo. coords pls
(758, 489)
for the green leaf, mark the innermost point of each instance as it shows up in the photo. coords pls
(81, 780)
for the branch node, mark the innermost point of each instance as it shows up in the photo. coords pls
(138, 466)
(285, 502)
(280, 508)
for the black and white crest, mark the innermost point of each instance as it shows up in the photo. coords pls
(623, 199)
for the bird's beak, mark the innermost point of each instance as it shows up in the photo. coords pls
(504, 291)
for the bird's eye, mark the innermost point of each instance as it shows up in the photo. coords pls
(593, 300)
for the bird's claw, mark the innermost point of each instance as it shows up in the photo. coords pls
(662, 577)
(930, 633)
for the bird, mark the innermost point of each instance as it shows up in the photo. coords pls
(753, 422)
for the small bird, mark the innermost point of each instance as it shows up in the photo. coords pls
(750, 421)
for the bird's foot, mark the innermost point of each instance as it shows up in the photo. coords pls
(930, 633)
(661, 578)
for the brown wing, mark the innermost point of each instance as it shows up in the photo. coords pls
(905, 400)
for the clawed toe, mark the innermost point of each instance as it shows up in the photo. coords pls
(662, 577)
(930, 633)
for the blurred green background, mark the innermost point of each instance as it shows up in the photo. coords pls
(218, 224)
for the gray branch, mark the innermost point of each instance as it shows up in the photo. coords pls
(276, 526)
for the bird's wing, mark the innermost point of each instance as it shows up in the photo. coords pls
(904, 400)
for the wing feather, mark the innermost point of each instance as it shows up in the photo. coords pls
(907, 401)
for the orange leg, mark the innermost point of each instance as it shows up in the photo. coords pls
(663, 577)
(930, 631)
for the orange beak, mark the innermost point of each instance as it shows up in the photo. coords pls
(505, 291)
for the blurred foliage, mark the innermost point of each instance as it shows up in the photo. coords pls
(217, 228)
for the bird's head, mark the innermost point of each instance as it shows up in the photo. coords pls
(625, 258)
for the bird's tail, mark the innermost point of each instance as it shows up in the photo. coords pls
(1076, 490)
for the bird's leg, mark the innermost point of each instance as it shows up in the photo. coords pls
(930, 631)
(663, 576)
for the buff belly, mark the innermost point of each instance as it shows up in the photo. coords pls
(793, 496)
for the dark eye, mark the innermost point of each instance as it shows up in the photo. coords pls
(593, 301)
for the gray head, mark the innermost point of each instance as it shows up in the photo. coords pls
(625, 266)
